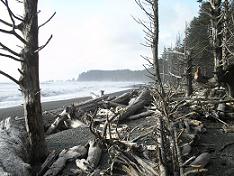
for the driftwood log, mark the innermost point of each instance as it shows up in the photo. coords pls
(124, 98)
(142, 100)
(94, 155)
(14, 149)
(65, 155)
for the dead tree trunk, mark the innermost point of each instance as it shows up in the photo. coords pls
(189, 78)
(152, 32)
(29, 82)
(25, 29)
(155, 46)
(216, 34)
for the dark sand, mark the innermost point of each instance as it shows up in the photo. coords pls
(63, 139)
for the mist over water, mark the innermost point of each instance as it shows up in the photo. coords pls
(60, 90)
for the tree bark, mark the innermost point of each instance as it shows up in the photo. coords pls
(29, 82)
(155, 47)
(189, 75)
(216, 34)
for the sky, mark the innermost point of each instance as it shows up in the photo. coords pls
(96, 34)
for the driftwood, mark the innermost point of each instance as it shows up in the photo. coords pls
(94, 155)
(87, 106)
(48, 162)
(13, 149)
(142, 100)
(124, 98)
(58, 123)
(140, 115)
(127, 163)
(64, 156)
(64, 121)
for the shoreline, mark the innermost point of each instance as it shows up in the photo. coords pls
(51, 105)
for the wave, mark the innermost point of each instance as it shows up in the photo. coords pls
(51, 91)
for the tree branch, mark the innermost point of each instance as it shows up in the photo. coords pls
(43, 46)
(9, 77)
(9, 10)
(9, 50)
(6, 23)
(11, 57)
(15, 34)
(47, 20)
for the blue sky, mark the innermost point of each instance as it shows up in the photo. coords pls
(99, 34)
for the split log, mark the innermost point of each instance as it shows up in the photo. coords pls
(124, 98)
(141, 115)
(87, 106)
(142, 100)
(65, 155)
(48, 162)
(63, 121)
(14, 148)
(58, 123)
(94, 155)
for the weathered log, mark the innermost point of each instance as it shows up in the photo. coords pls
(94, 156)
(65, 155)
(64, 121)
(14, 149)
(141, 115)
(48, 162)
(124, 98)
(143, 99)
(59, 121)
(78, 110)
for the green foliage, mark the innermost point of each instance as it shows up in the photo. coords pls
(197, 40)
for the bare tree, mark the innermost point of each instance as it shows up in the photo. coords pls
(151, 29)
(25, 29)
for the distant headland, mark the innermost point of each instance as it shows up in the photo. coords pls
(114, 75)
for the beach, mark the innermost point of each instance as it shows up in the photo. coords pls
(47, 106)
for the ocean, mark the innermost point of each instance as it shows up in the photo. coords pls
(60, 90)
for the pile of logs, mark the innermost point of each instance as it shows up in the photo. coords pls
(104, 116)
(128, 106)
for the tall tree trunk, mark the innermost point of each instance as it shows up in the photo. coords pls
(189, 78)
(216, 32)
(155, 47)
(30, 84)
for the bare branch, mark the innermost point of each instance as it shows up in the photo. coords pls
(6, 23)
(9, 77)
(15, 34)
(148, 71)
(4, 47)
(151, 16)
(147, 59)
(43, 46)
(9, 11)
(11, 57)
(47, 21)
(143, 24)
(146, 45)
